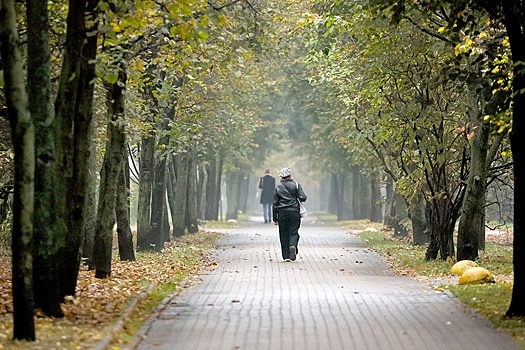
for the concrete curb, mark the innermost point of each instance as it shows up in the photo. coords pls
(105, 343)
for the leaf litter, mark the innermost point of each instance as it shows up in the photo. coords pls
(90, 315)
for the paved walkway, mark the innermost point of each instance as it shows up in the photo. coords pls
(337, 295)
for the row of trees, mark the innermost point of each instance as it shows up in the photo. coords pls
(144, 91)
(424, 94)
(181, 97)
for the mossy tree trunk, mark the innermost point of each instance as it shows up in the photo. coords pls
(181, 190)
(213, 188)
(192, 223)
(514, 13)
(159, 230)
(122, 213)
(65, 105)
(45, 268)
(109, 175)
(82, 150)
(146, 160)
(23, 137)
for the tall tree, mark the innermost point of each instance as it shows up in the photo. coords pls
(402, 91)
(86, 166)
(511, 15)
(146, 160)
(109, 176)
(23, 135)
(514, 20)
(45, 266)
(180, 194)
(191, 220)
(68, 234)
(126, 247)
(83, 148)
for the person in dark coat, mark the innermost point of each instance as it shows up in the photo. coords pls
(285, 213)
(267, 184)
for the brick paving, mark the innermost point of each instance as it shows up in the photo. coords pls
(337, 295)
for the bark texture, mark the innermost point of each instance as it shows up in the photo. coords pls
(109, 175)
(146, 159)
(514, 15)
(45, 268)
(22, 131)
(122, 213)
(65, 110)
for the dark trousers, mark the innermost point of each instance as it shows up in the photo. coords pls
(289, 223)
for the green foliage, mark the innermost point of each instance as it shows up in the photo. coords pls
(203, 66)
(387, 92)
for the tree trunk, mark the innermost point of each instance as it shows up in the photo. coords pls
(111, 167)
(212, 190)
(82, 148)
(45, 270)
(375, 198)
(170, 185)
(218, 186)
(482, 230)
(399, 216)
(65, 113)
(232, 196)
(471, 219)
(158, 199)
(442, 220)
(192, 223)
(158, 203)
(23, 136)
(356, 192)
(389, 200)
(91, 206)
(343, 196)
(419, 221)
(364, 196)
(122, 208)
(514, 14)
(181, 190)
(332, 201)
(243, 192)
(201, 181)
(146, 161)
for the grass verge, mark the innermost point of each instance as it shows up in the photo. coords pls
(490, 300)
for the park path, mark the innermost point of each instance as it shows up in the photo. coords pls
(337, 295)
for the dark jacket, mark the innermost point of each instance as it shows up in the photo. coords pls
(267, 184)
(285, 196)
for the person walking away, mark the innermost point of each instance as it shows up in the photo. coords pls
(267, 184)
(286, 213)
